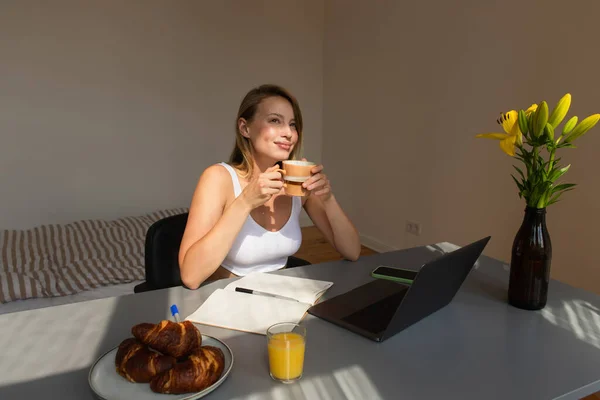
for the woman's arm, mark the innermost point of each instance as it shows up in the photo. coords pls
(337, 228)
(211, 228)
(328, 216)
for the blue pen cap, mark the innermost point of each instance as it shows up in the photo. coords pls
(174, 310)
(175, 313)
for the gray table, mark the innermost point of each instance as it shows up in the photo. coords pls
(478, 347)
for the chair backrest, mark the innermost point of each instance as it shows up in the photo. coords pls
(162, 251)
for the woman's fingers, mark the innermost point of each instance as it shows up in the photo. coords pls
(272, 190)
(311, 180)
(316, 175)
(267, 193)
(319, 184)
(271, 183)
(317, 169)
(273, 175)
(315, 181)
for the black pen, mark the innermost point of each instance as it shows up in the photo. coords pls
(250, 291)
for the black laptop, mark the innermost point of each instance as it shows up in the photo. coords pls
(382, 308)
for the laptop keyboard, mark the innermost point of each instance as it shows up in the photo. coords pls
(376, 317)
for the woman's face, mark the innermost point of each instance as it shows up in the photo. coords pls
(272, 131)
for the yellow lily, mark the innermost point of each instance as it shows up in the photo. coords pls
(531, 109)
(513, 135)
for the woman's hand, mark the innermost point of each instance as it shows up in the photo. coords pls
(318, 184)
(261, 189)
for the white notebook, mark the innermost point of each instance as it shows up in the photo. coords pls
(227, 308)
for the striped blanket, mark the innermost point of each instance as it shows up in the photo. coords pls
(59, 260)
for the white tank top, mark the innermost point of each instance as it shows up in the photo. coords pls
(256, 249)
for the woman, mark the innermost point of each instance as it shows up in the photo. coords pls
(240, 219)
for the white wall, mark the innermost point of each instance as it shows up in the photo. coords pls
(111, 108)
(407, 86)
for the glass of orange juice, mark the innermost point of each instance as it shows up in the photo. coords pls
(286, 343)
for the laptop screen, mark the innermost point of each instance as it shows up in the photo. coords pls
(376, 317)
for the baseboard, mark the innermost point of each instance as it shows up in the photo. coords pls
(375, 244)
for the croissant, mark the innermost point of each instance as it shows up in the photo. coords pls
(137, 363)
(177, 339)
(202, 368)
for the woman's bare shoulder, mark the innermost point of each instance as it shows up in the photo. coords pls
(215, 176)
(214, 184)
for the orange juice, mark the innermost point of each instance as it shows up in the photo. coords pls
(286, 355)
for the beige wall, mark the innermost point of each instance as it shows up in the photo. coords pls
(407, 86)
(111, 108)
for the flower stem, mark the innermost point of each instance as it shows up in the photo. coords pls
(534, 173)
(551, 163)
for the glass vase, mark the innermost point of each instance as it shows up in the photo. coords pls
(530, 262)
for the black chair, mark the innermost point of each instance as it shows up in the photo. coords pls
(161, 253)
(161, 257)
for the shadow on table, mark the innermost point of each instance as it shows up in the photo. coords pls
(345, 365)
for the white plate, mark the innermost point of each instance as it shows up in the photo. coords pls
(109, 385)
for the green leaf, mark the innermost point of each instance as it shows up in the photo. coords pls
(545, 194)
(570, 125)
(517, 182)
(560, 111)
(564, 187)
(535, 194)
(558, 173)
(568, 145)
(554, 163)
(554, 199)
(519, 171)
(528, 166)
(541, 118)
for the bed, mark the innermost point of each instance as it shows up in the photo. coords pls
(65, 263)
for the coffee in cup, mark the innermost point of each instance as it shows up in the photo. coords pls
(296, 168)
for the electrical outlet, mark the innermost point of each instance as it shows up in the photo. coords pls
(413, 228)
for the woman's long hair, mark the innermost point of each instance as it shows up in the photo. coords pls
(241, 156)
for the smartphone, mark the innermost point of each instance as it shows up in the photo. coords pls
(394, 274)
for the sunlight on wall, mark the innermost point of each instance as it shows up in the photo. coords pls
(578, 316)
